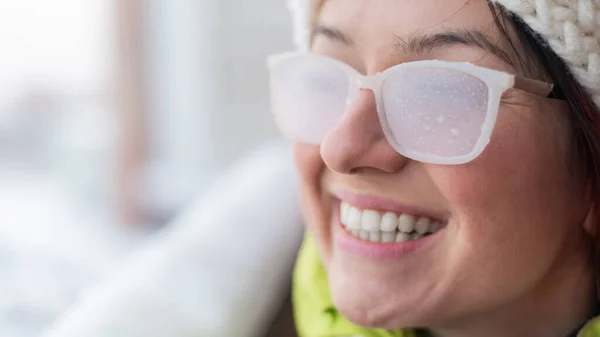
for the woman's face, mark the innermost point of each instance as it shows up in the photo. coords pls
(509, 218)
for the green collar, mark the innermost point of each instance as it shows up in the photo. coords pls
(591, 329)
(316, 316)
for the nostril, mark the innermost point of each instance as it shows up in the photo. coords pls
(363, 170)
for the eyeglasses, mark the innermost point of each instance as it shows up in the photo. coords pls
(430, 111)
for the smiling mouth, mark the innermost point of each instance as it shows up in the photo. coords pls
(386, 227)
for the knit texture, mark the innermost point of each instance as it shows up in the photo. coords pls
(570, 27)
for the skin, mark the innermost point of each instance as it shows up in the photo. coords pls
(512, 258)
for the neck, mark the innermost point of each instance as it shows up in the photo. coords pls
(555, 308)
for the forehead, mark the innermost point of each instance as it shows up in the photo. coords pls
(364, 17)
(377, 25)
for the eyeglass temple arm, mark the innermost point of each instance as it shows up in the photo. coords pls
(537, 87)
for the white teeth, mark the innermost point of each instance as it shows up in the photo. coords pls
(389, 222)
(422, 225)
(388, 236)
(353, 218)
(386, 227)
(344, 207)
(406, 223)
(370, 220)
(375, 236)
(401, 237)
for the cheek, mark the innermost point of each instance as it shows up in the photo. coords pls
(315, 205)
(525, 160)
(514, 206)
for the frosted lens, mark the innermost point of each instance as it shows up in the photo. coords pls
(434, 111)
(308, 97)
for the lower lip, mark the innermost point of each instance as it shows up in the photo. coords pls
(368, 249)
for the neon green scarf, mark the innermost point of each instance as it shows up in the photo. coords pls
(316, 316)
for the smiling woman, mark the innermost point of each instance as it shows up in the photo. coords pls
(449, 157)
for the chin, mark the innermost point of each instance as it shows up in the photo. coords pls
(367, 303)
(364, 312)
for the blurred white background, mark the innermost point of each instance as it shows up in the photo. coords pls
(114, 115)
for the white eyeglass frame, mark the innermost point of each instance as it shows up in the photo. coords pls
(497, 83)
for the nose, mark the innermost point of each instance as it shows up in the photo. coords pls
(357, 142)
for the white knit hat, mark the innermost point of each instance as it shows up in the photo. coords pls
(571, 28)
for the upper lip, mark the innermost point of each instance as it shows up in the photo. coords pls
(377, 203)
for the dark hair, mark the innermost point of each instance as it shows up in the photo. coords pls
(583, 117)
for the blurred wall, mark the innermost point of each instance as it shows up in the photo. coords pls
(248, 32)
(56, 112)
(194, 73)
(204, 91)
(208, 88)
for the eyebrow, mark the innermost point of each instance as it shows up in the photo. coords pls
(429, 43)
(419, 44)
(333, 34)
